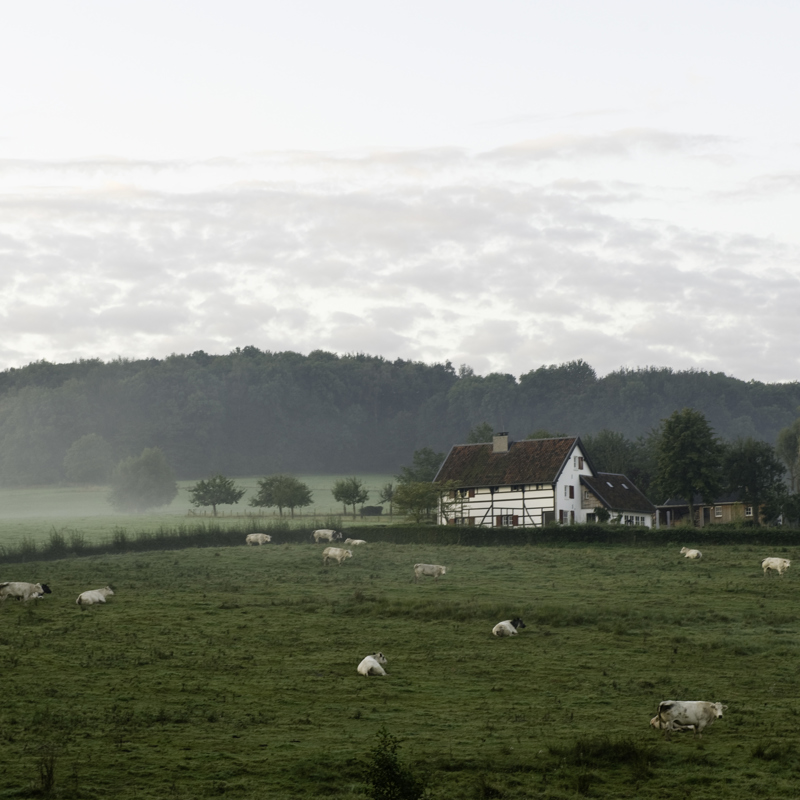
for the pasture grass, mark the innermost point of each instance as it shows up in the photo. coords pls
(231, 672)
(32, 513)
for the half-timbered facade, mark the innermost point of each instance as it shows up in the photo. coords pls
(531, 483)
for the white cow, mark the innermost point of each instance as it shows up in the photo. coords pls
(337, 553)
(92, 596)
(434, 570)
(371, 665)
(681, 715)
(354, 541)
(687, 553)
(20, 590)
(508, 627)
(326, 535)
(780, 565)
(258, 538)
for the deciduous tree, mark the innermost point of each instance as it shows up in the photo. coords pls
(216, 491)
(88, 460)
(425, 465)
(752, 469)
(787, 449)
(350, 492)
(480, 433)
(419, 501)
(282, 491)
(688, 458)
(387, 496)
(144, 482)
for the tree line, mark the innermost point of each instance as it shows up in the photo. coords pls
(258, 412)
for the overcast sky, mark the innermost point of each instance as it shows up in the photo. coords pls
(502, 185)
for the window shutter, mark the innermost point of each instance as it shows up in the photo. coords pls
(499, 521)
(561, 516)
(515, 520)
(572, 492)
(472, 493)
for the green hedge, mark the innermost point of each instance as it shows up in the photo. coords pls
(71, 543)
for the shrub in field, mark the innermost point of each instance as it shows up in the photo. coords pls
(386, 776)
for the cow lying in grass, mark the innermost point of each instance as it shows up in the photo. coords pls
(20, 590)
(92, 596)
(684, 715)
(508, 627)
(371, 665)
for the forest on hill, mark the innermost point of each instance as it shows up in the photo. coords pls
(259, 412)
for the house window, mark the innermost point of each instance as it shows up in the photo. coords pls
(717, 511)
(577, 462)
(748, 512)
(586, 495)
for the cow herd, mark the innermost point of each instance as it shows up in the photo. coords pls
(672, 715)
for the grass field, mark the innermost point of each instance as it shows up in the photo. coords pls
(231, 672)
(32, 513)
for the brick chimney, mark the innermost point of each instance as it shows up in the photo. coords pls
(500, 442)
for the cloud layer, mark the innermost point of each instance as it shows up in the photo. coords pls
(532, 253)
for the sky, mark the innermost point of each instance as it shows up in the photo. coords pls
(502, 186)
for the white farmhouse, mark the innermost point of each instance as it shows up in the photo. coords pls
(533, 482)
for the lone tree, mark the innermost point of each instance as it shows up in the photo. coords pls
(425, 465)
(752, 469)
(88, 460)
(688, 457)
(216, 491)
(281, 491)
(350, 492)
(144, 482)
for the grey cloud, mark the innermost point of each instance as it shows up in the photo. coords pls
(476, 268)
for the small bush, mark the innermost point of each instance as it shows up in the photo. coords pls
(386, 777)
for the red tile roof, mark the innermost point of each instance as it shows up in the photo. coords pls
(529, 461)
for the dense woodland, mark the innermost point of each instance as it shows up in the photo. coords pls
(253, 412)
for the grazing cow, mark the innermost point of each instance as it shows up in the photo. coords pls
(687, 553)
(434, 570)
(326, 535)
(371, 511)
(780, 565)
(371, 665)
(337, 553)
(682, 715)
(508, 627)
(92, 596)
(20, 590)
(258, 538)
(354, 541)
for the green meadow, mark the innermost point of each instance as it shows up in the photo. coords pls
(32, 513)
(231, 672)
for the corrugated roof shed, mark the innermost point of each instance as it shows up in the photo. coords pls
(529, 461)
(618, 493)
